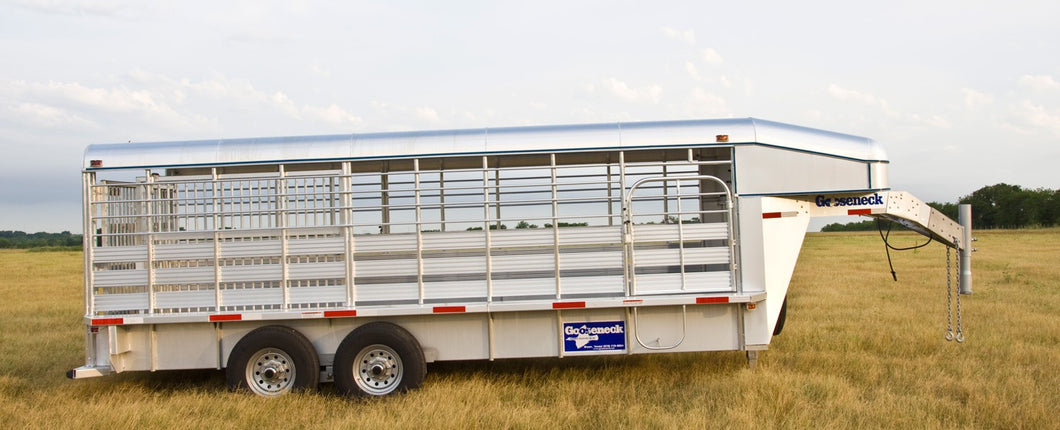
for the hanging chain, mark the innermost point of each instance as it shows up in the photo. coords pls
(949, 298)
(960, 333)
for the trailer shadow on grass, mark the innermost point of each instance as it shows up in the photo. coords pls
(530, 371)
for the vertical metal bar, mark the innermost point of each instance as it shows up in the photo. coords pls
(680, 234)
(347, 233)
(491, 339)
(964, 216)
(628, 277)
(666, 194)
(148, 228)
(283, 213)
(497, 193)
(555, 229)
(153, 335)
(441, 193)
(610, 197)
(384, 199)
(486, 227)
(419, 228)
(559, 332)
(88, 179)
(216, 245)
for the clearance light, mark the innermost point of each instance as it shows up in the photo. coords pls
(751, 306)
(722, 138)
(96, 163)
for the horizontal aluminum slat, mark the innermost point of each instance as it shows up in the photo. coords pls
(104, 303)
(521, 238)
(672, 256)
(592, 285)
(454, 265)
(115, 254)
(395, 267)
(319, 294)
(670, 283)
(251, 273)
(384, 243)
(388, 292)
(589, 235)
(524, 287)
(454, 290)
(184, 251)
(185, 299)
(252, 248)
(252, 297)
(521, 263)
(330, 245)
(454, 240)
(671, 232)
(119, 278)
(328, 270)
(591, 260)
(184, 275)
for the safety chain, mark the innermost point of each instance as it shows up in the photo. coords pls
(949, 298)
(957, 288)
(950, 289)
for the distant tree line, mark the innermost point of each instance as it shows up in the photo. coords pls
(993, 206)
(22, 240)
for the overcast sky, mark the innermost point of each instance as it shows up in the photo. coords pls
(962, 94)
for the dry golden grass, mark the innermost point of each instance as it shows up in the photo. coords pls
(859, 350)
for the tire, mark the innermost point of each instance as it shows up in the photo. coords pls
(272, 361)
(378, 359)
(781, 318)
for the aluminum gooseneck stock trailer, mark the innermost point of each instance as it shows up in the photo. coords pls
(359, 258)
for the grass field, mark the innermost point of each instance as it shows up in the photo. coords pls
(859, 350)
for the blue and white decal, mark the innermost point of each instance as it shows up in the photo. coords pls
(594, 336)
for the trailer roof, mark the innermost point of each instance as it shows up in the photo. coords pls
(480, 141)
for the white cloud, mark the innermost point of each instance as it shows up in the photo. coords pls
(844, 94)
(651, 93)
(319, 72)
(710, 56)
(707, 103)
(686, 36)
(1038, 116)
(1040, 82)
(974, 99)
(42, 115)
(104, 8)
(692, 71)
(871, 100)
(427, 114)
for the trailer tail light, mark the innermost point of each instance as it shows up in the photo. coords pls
(96, 163)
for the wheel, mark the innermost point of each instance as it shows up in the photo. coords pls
(780, 318)
(377, 359)
(273, 360)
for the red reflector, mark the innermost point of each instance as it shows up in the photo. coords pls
(707, 300)
(339, 314)
(859, 211)
(771, 215)
(568, 305)
(449, 309)
(107, 321)
(226, 317)
(96, 163)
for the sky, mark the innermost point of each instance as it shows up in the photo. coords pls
(961, 94)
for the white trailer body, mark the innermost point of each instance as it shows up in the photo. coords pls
(477, 244)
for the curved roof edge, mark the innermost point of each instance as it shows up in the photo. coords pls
(480, 141)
